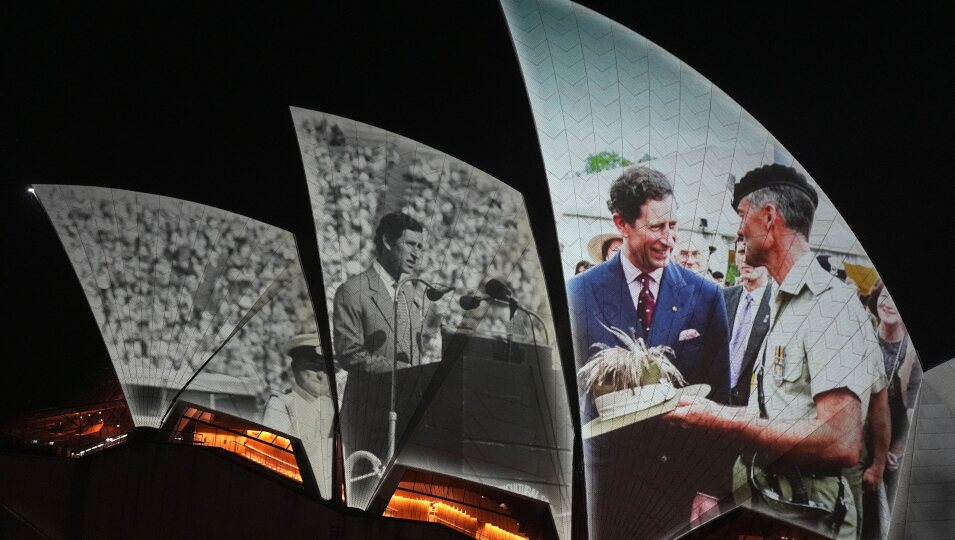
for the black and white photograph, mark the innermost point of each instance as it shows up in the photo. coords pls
(199, 304)
(430, 269)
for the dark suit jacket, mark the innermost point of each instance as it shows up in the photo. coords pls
(739, 394)
(363, 339)
(641, 479)
(363, 322)
(601, 297)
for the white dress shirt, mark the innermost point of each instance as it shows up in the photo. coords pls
(631, 273)
(389, 281)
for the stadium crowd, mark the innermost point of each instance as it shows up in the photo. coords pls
(476, 227)
(169, 280)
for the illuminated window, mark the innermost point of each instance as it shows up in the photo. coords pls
(203, 428)
(479, 511)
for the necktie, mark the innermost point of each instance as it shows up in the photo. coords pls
(645, 303)
(737, 344)
(403, 326)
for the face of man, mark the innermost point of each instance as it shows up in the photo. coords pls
(314, 382)
(402, 255)
(888, 314)
(754, 231)
(647, 241)
(748, 274)
(688, 256)
(613, 248)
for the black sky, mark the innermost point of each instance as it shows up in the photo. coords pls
(193, 103)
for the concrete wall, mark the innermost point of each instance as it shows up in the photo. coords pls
(152, 490)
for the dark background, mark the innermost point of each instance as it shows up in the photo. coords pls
(192, 102)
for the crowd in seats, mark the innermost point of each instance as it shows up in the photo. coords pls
(476, 227)
(168, 280)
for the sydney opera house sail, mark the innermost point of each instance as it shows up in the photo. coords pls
(197, 304)
(733, 363)
(441, 327)
(668, 191)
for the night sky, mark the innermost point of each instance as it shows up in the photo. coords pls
(193, 103)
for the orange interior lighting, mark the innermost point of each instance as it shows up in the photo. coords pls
(423, 508)
(253, 449)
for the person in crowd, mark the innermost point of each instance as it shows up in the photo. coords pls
(803, 424)
(604, 246)
(865, 477)
(692, 252)
(638, 290)
(904, 372)
(307, 411)
(719, 278)
(747, 309)
(364, 319)
(582, 266)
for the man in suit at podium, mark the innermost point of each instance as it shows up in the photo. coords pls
(364, 330)
(747, 308)
(642, 479)
(364, 304)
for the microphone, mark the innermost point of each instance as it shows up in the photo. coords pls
(435, 293)
(471, 301)
(498, 290)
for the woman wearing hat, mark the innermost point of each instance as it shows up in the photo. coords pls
(604, 246)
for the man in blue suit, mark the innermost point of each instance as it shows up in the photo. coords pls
(642, 479)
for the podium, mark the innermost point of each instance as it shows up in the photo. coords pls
(491, 411)
(500, 416)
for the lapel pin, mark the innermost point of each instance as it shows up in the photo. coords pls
(674, 308)
(765, 319)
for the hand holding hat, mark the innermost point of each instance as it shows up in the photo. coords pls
(632, 383)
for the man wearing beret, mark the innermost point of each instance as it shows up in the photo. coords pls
(811, 383)
(637, 478)
(307, 410)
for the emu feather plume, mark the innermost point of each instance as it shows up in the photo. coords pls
(631, 366)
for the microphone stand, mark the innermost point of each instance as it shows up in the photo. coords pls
(533, 315)
(510, 331)
(393, 413)
(516, 306)
(378, 466)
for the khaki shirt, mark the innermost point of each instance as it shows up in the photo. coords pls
(820, 339)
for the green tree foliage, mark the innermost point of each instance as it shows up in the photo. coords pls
(605, 160)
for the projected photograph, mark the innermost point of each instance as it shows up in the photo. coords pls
(441, 326)
(203, 306)
(734, 344)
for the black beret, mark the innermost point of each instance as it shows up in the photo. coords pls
(772, 175)
(305, 352)
(303, 358)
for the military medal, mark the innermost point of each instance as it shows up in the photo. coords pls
(779, 355)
